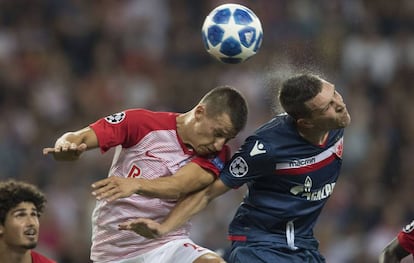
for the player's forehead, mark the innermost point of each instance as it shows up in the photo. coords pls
(323, 98)
(22, 206)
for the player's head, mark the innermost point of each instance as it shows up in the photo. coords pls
(20, 207)
(219, 116)
(313, 102)
(229, 101)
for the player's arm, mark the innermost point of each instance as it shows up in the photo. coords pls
(393, 252)
(188, 179)
(182, 212)
(71, 145)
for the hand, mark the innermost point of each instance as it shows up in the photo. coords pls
(114, 187)
(65, 150)
(145, 227)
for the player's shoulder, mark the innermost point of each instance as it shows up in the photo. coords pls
(160, 119)
(280, 124)
(150, 113)
(406, 237)
(140, 116)
(278, 130)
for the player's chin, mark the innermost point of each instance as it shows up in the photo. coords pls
(30, 245)
(345, 121)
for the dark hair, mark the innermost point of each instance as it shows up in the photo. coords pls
(226, 99)
(296, 91)
(12, 193)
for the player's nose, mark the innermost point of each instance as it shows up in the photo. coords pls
(32, 221)
(340, 106)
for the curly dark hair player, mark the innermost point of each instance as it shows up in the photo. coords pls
(21, 205)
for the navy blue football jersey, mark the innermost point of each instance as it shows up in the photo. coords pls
(289, 180)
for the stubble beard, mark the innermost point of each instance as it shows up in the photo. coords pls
(30, 245)
(346, 120)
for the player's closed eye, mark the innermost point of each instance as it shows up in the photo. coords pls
(219, 134)
(333, 103)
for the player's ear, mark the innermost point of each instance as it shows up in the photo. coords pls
(199, 111)
(1, 229)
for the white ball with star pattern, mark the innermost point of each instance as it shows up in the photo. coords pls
(232, 33)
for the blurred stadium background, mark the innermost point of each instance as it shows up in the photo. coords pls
(66, 63)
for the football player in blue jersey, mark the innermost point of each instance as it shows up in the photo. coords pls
(290, 165)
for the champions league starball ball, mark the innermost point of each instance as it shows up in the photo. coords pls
(232, 33)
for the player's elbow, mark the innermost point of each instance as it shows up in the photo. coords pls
(209, 195)
(214, 190)
(178, 194)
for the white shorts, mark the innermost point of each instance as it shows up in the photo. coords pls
(176, 251)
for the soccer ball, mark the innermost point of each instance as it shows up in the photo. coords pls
(232, 33)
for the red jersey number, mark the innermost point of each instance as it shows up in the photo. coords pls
(195, 247)
(134, 172)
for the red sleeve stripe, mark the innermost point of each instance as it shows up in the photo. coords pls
(237, 238)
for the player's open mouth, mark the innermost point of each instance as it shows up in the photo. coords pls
(30, 232)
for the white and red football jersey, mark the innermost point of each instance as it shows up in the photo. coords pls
(147, 146)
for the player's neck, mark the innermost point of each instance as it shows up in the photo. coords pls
(312, 136)
(15, 257)
(182, 122)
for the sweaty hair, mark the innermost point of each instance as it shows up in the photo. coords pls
(225, 99)
(296, 91)
(12, 193)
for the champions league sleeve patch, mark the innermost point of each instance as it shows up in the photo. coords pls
(115, 118)
(239, 167)
(409, 228)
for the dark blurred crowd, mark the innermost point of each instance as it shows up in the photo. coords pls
(66, 63)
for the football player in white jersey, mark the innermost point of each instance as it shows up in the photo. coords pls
(155, 145)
